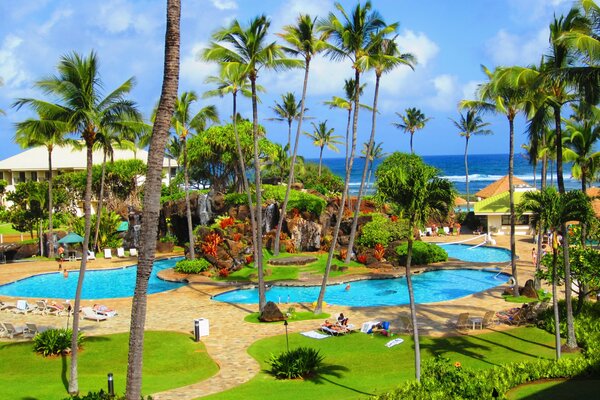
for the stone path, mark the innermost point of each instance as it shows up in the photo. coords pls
(230, 336)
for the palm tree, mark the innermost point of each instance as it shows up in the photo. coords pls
(502, 97)
(350, 37)
(183, 122)
(405, 180)
(551, 210)
(288, 111)
(383, 57)
(149, 231)
(247, 46)
(376, 154)
(322, 137)
(414, 120)
(347, 103)
(580, 149)
(82, 106)
(470, 124)
(50, 134)
(304, 42)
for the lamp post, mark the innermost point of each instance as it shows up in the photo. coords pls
(111, 385)
(287, 341)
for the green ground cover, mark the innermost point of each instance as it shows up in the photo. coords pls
(170, 360)
(572, 389)
(7, 229)
(296, 316)
(360, 365)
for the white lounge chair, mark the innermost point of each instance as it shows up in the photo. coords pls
(133, 252)
(107, 253)
(91, 255)
(7, 306)
(89, 313)
(33, 329)
(44, 308)
(120, 252)
(23, 307)
(12, 331)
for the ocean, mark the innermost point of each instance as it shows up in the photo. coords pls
(483, 170)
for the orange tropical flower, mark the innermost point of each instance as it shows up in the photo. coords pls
(457, 364)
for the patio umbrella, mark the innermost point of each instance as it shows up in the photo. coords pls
(71, 238)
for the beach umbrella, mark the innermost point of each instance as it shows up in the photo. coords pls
(71, 238)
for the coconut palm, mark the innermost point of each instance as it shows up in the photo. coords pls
(580, 149)
(184, 123)
(287, 111)
(499, 96)
(347, 103)
(383, 56)
(412, 121)
(151, 206)
(551, 210)
(376, 154)
(301, 40)
(468, 125)
(405, 180)
(322, 136)
(248, 46)
(50, 134)
(83, 107)
(350, 37)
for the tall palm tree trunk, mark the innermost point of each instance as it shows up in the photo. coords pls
(87, 209)
(467, 173)
(340, 213)
(320, 160)
(511, 192)
(544, 171)
(188, 211)
(258, 256)
(347, 156)
(411, 142)
(50, 208)
(289, 143)
(149, 230)
(100, 201)
(293, 165)
(555, 304)
(413, 307)
(364, 173)
(243, 176)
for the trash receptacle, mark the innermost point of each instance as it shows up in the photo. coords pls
(203, 326)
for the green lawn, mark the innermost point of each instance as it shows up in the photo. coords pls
(361, 365)
(573, 389)
(170, 360)
(7, 229)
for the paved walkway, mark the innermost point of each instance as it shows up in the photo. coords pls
(177, 309)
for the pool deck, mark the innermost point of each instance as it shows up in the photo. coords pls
(230, 336)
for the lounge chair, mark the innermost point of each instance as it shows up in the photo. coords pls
(446, 230)
(334, 329)
(104, 310)
(514, 316)
(489, 319)
(133, 252)
(91, 255)
(12, 331)
(120, 252)
(463, 321)
(107, 253)
(7, 306)
(89, 313)
(32, 329)
(23, 307)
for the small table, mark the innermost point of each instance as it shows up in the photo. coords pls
(477, 321)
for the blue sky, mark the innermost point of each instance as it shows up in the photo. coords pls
(450, 39)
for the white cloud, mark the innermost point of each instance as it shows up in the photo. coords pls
(119, 16)
(446, 92)
(537, 10)
(506, 48)
(469, 90)
(193, 71)
(56, 17)
(11, 66)
(423, 48)
(224, 4)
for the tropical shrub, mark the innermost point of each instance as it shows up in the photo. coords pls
(101, 395)
(422, 254)
(192, 266)
(587, 322)
(325, 184)
(211, 244)
(296, 363)
(237, 199)
(382, 230)
(54, 341)
(299, 200)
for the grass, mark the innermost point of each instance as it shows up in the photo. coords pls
(296, 316)
(360, 365)
(7, 229)
(291, 272)
(573, 389)
(170, 360)
(542, 294)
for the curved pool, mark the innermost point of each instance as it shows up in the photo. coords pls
(98, 284)
(429, 287)
(484, 254)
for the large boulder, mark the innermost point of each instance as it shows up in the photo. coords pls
(529, 290)
(271, 313)
(306, 235)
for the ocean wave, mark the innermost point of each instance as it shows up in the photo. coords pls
(493, 178)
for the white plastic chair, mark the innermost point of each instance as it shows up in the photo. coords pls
(107, 253)
(120, 252)
(133, 252)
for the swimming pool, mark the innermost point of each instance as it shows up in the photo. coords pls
(429, 287)
(484, 254)
(98, 284)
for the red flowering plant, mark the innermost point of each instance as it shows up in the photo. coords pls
(211, 243)
(362, 258)
(223, 272)
(379, 251)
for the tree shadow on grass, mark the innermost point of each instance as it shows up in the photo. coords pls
(457, 344)
(327, 372)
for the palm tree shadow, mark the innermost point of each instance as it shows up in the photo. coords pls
(333, 371)
(63, 372)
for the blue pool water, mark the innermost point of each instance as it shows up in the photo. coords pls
(482, 254)
(100, 284)
(429, 287)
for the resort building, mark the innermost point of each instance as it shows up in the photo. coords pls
(32, 164)
(494, 210)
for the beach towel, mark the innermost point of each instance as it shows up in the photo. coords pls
(394, 342)
(314, 335)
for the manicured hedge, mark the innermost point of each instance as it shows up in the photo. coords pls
(192, 266)
(382, 230)
(299, 200)
(422, 254)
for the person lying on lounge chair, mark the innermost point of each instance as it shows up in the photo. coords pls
(334, 327)
(104, 310)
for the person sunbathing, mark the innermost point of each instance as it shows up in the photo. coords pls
(104, 310)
